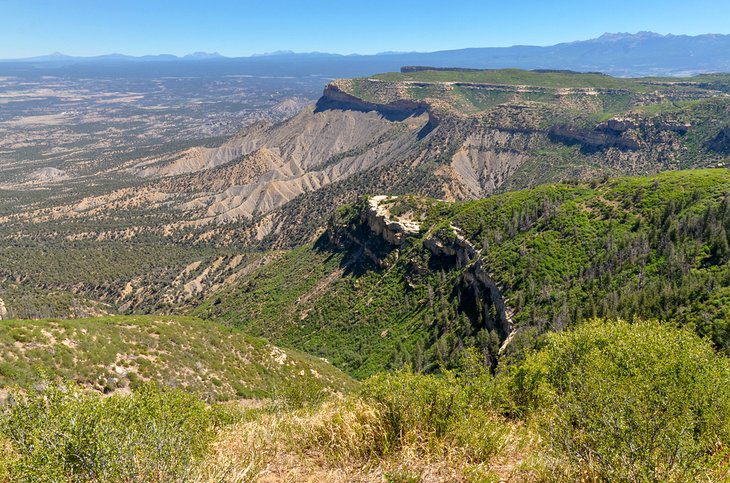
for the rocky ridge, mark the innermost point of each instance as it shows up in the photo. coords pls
(477, 284)
(394, 230)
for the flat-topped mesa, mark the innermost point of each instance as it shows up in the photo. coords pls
(421, 68)
(472, 93)
(340, 94)
(381, 222)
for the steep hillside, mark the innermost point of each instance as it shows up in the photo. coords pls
(185, 227)
(411, 279)
(279, 163)
(117, 353)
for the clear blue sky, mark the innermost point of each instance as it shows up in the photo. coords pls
(88, 27)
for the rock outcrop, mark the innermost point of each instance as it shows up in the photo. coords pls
(478, 289)
(592, 140)
(335, 97)
(3, 310)
(459, 247)
(393, 229)
(396, 109)
(485, 291)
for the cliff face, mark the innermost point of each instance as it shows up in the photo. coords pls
(479, 295)
(478, 292)
(482, 291)
(593, 140)
(624, 134)
(334, 97)
(379, 220)
(398, 109)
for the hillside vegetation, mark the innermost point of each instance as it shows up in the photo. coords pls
(496, 273)
(608, 401)
(111, 354)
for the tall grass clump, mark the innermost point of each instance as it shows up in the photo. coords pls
(402, 426)
(62, 433)
(427, 411)
(630, 402)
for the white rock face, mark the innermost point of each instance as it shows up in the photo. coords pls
(380, 222)
(3, 310)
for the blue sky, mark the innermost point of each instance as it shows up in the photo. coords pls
(86, 27)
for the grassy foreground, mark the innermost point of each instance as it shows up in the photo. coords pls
(607, 401)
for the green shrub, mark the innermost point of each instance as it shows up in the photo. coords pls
(426, 409)
(300, 392)
(413, 404)
(61, 433)
(642, 401)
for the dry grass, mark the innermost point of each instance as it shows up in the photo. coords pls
(345, 441)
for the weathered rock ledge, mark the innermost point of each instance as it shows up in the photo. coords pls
(379, 219)
(460, 247)
(335, 96)
(479, 285)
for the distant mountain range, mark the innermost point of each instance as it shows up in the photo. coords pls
(619, 54)
(59, 57)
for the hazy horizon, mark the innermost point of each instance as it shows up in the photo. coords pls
(202, 53)
(239, 29)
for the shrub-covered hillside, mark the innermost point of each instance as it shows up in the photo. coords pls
(119, 353)
(608, 401)
(498, 272)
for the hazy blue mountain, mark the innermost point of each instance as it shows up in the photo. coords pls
(203, 55)
(622, 54)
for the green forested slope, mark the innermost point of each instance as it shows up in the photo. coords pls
(653, 247)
